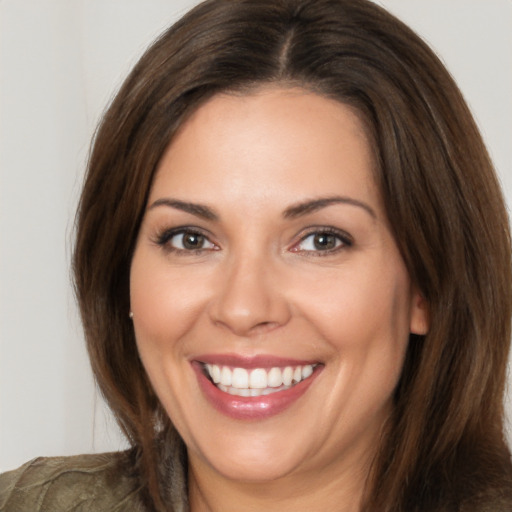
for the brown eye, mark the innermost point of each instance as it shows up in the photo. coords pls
(323, 241)
(192, 241)
(184, 240)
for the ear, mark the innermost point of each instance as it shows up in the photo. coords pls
(420, 315)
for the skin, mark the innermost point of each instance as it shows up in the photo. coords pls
(261, 286)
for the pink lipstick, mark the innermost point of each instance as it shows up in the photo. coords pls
(253, 388)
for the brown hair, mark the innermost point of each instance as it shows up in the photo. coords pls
(444, 444)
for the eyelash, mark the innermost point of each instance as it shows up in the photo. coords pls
(343, 241)
(164, 240)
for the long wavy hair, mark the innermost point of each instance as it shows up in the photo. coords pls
(444, 447)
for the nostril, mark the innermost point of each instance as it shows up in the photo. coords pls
(253, 330)
(264, 327)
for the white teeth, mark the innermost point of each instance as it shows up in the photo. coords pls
(215, 373)
(287, 375)
(307, 371)
(240, 378)
(259, 381)
(250, 392)
(225, 376)
(274, 378)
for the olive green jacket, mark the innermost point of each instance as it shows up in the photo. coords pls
(82, 483)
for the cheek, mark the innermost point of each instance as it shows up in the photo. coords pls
(165, 303)
(165, 306)
(363, 312)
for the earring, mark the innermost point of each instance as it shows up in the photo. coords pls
(130, 314)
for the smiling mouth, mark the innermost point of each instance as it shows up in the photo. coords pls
(258, 381)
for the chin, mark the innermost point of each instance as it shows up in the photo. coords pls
(249, 454)
(254, 466)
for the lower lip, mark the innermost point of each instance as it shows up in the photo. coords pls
(255, 407)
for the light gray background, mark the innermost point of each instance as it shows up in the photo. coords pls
(60, 62)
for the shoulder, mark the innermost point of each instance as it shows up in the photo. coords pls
(82, 483)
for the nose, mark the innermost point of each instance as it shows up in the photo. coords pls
(250, 299)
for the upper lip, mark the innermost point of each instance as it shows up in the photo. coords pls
(254, 361)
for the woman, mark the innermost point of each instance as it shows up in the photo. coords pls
(293, 268)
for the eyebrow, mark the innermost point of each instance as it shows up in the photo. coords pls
(292, 212)
(198, 210)
(307, 207)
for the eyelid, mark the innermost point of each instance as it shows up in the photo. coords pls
(164, 236)
(346, 240)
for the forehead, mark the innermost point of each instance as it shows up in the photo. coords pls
(272, 143)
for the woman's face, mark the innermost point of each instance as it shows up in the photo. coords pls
(265, 267)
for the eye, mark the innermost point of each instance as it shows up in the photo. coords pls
(326, 241)
(185, 240)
